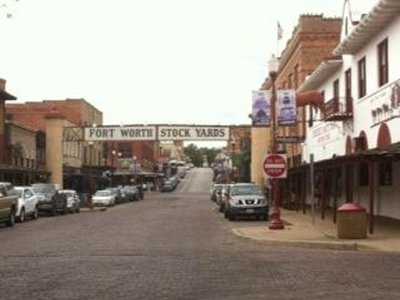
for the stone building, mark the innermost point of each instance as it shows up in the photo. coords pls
(313, 40)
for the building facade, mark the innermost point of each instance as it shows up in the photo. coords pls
(313, 39)
(355, 135)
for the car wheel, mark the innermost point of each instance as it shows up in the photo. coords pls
(221, 208)
(226, 214)
(78, 210)
(54, 211)
(231, 217)
(21, 218)
(35, 214)
(11, 219)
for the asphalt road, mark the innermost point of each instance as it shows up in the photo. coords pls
(177, 246)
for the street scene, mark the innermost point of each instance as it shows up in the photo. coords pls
(199, 150)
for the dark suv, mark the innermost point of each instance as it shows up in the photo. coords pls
(50, 199)
(8, 203)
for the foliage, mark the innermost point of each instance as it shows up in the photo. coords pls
(196, 154)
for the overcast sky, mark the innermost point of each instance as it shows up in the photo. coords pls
(149, 61)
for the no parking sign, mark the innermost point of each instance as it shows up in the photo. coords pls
(275, 166)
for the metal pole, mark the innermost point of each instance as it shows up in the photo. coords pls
(312, 188)
(276, 222)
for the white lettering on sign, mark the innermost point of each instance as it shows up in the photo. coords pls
(166, 133)
(136, 133)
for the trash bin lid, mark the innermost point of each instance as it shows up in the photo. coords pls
(351, 207)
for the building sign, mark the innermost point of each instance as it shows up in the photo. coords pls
(327, 133)
(153, 133)
(287, 109)
(275, 166)
(261, 110)
(385, 104)
(193, 133)
(129, 133)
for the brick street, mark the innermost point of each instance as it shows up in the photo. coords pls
(177, 246)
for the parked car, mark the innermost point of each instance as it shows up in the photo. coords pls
(131, 192)
(244, 199)
(167, 186)
(223, 197)
(117, 192)
(50, 199)
(8, 203)
(73, 201)
(215, 190)
(175, 181)
(104, 198)
(27, 203)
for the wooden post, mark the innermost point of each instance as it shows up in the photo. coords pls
(335, 196)
(323, 194)
(371, 173)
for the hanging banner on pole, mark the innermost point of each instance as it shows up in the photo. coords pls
(261, 110)
(287, 109)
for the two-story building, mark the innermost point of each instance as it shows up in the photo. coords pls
(354, 135)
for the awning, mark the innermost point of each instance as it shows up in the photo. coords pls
(6, 96)
(381, 15)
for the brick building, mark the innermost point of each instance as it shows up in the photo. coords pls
(312, 41)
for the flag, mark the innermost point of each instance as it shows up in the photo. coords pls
(280, 31)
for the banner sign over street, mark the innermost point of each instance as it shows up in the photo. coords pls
(153, 133)
(129, 133)
(193, 133)
(261, 109)
(287, 110)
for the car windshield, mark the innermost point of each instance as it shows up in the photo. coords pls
(43, 188)
(18, 192)
(246, 190)
(103, 193)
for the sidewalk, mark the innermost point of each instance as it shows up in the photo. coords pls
(299, 232)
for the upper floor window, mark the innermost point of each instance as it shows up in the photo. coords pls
(336, 91)
(383, 63)
(362, 79)
(348, 91)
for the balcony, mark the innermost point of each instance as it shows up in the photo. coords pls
(337, 110)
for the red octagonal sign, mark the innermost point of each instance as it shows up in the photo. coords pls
(275, 166)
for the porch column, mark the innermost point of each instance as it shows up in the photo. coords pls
(371, 181)
(323, 194)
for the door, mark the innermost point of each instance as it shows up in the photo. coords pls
(29, 199)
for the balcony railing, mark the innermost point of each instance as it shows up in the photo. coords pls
(338, 109)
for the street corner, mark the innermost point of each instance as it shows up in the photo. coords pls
(290, 237)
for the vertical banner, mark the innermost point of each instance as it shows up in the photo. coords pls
(287, 109)
(261, 110)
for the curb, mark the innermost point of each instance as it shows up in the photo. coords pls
(302, 243)
(95, 209)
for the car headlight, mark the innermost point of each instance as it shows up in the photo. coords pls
(262, 201)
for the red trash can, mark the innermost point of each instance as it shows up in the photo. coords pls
(352, 221)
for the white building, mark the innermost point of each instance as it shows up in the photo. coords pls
(355, 133)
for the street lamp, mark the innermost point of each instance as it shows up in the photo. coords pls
(113, 154)
(276, 222)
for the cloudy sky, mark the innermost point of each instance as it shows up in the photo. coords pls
(149, 61)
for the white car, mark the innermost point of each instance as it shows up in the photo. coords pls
(27, 203)
(104, 198)
(73, 201)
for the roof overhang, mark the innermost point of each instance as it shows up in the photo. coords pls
(6, 96)
(380, 16)
(323, 72)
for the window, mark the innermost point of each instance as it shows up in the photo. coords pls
(348, 87)
(362, 80)
(383, 63)
(385, 173)
(296, 77)
(336, 91)
(363, 174)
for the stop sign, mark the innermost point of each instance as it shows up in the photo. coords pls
(275, 166)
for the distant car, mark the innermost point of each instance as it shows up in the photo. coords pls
(167, 186)
(8, 203)
(245, 199)
(215, 190)
(27, 203)
(117, 192)
(73, 201)
(104, 198)
(131, 192)
(50, 199)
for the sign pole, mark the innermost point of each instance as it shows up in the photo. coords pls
(312, 188)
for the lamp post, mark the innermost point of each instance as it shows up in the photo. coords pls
(113, 154)
(276, 222)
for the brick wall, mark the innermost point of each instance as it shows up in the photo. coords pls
(33, 114)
